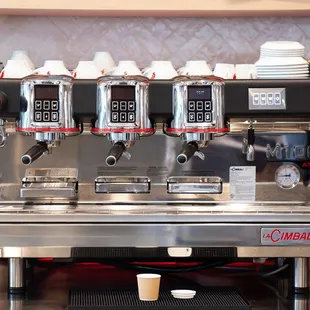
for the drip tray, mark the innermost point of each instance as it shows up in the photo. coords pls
(205, 299)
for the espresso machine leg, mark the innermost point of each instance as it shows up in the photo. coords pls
(301, 275)
(16, 275)
(16, 302)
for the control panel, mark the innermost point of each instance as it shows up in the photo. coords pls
(199, 104)
(267, 99)
(123, 104)
(46, 104)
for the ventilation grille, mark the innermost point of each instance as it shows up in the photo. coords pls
(130, 252)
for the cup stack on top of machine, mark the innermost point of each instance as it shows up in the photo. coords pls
(282, 60)
(196, 67)
(161, 69)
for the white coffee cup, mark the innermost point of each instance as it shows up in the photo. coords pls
(148, 286)
(86, 70)
(53, 67)
(246, 71)
(104, 62)
(160, 70)
(15, 69)
(195, 67)
(125, 67)
(225, 71)
(23, 55)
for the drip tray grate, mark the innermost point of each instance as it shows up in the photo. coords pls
(206, 299)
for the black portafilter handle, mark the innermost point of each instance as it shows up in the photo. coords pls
(115, 153)
(34, 153)
(187, 152)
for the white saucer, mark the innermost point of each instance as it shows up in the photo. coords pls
(183, 297)
(282, 72)
(283, 77)
(295, 67)
(265, 54)
(282, 45)
(183, 292)
(281, 61)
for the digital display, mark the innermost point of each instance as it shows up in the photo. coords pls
(46, 92)
(199, 93)
(123, 93)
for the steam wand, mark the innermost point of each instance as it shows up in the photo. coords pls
(250, 152)
(3, 134)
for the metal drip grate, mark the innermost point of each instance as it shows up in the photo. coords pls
(208, 299)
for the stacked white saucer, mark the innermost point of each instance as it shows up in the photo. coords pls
(282, 60)
(183, 294)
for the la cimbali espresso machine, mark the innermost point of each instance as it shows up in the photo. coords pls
(183, 169)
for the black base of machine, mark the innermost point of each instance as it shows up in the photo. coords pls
(205, 299)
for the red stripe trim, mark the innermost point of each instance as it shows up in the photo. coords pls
(47, 129)
(198, 130)
(122, 130)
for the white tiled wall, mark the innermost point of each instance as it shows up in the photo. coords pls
(144, 39)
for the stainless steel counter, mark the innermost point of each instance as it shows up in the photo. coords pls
(53, 229)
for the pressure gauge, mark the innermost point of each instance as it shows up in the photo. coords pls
(287, 176)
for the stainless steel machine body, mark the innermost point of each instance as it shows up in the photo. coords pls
(254, 209)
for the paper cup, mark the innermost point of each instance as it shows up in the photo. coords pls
(148, 286)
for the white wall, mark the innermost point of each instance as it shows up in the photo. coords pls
(144, 39)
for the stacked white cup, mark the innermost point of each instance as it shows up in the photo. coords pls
(196, 67)
(162, 70)
(19, 66)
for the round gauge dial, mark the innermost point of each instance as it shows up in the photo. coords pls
(287, 176)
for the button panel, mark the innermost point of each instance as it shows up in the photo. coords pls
(199, 111)
(123, 111)
(46, 111)
(267, 99)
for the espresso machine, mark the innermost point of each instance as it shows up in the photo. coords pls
(217, 169)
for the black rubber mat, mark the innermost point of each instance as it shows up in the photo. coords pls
(205, 299)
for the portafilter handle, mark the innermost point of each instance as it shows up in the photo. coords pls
(115, 153)
(187, 152)
(34, 153)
